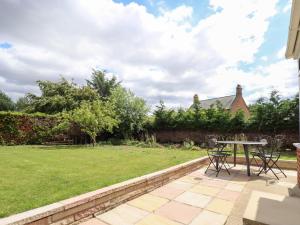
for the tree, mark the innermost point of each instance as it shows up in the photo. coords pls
(164, 118)
(6, 104)
(131, 111)
(59, 96)
(94, 117)
(102, 84)
(275, 114)
(22, 104)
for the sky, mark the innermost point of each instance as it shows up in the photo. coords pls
(161, 50)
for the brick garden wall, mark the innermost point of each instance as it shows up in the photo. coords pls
(200, 136)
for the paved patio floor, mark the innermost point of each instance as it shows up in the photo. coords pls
(198, 199)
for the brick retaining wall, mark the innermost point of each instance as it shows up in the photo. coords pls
(298, 159)
(283, 164)
(202, 136)
(87, 205)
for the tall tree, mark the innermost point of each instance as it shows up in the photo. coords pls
(275, 114)
(6, 104)
(102, 84)
(131, 111)
(22, 104)
(59, 96)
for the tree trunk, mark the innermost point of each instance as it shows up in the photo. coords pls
(93, 140)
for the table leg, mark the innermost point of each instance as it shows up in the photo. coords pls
(234, 154)
(217, 163)
(246, 151)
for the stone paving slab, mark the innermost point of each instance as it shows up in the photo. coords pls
(180, 185)
(234, 187)
(205, 190)
(148, 202)
(124, 214)
(93, 221)
(209, 218)
(179, 212)
(168, 192)
(194, 199)
(220, 206)
(156, 220)
(267, 208)
(198, 199)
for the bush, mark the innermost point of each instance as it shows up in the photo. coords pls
(21, 128)
(188, 144)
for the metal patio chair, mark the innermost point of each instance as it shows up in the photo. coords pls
(270, 158)
(255, 154)
(217, 157)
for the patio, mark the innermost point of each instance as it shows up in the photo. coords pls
(200, 199)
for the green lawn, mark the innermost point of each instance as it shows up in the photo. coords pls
(33, 176)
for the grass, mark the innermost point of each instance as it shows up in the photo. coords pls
(33, 176)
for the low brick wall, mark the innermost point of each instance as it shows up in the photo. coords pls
(87, 205)
(298, 162)
(283, 164)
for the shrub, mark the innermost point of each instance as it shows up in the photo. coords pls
(21, 128)
(188, 144)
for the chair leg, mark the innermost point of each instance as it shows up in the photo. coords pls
(274, 163)
(222, 164)
(225, 157)
(270, 169)
(280, 169)
(208, 164)
(262, 166)
(257, 164)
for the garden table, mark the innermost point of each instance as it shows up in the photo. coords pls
(246, 150)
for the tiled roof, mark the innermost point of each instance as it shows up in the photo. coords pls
(226, 102)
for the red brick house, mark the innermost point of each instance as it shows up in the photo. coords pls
(233, 103)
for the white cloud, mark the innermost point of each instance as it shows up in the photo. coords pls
(264, 58)
(280, 54)
(157, 57)
(288, 7)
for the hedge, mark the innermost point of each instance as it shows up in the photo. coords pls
(20, 128)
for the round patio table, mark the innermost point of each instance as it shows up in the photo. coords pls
(246, 150)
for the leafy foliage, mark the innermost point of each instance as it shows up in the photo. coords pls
(94, 117)
(59, 96)
(103, 85)
(267, 115)
(130, 110)
(22, 104)
(275, 114)
(20, 128)
(6, 104)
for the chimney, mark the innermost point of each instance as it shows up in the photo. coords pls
(239, 90)
(196, 99)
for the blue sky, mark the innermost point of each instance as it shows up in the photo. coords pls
(162, 50)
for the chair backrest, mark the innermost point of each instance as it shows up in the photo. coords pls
(261, 148)
(212, 143)
(264, 140)
(276, 145)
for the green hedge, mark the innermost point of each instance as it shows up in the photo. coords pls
(21, 128)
